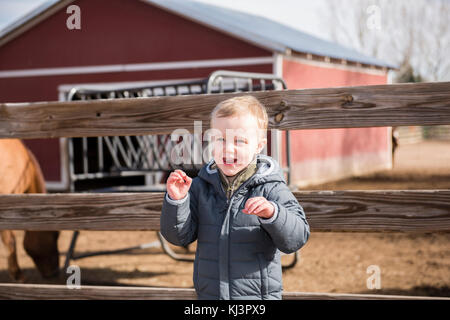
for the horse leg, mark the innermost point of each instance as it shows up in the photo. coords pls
(9, 240)
(42, 247)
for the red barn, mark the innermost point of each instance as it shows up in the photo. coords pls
(137, 42)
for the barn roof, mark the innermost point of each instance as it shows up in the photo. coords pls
(263, 31)
(258, 30)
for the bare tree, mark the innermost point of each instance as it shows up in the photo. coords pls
(406, 33)
(434, 53)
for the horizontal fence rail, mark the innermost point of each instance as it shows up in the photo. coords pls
(344, 107)
(352, 211)
(357, 211)
(60, 292)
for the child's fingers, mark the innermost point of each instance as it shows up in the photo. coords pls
(188, 181)
(181, 172)
(262, 207)
(250, 201)
(184, 176)
(249, 204)
(252, 205)
(257, 210)
(175, 176)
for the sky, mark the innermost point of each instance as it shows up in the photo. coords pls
(10, 10)
(300, 14)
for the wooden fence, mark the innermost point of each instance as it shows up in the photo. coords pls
(362, 211)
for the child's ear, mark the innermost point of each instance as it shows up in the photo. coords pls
(261, 144)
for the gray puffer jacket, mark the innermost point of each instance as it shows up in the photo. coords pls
(238, 255)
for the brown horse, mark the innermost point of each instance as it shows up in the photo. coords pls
(20, 173)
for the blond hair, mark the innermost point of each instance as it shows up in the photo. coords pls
(241, 106)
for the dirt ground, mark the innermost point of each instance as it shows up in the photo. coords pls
(410, 264)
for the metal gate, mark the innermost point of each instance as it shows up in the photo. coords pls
(143, 163)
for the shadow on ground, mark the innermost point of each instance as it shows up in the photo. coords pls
(89, 276)
(426, 291)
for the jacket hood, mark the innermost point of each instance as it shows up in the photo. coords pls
(268, 170)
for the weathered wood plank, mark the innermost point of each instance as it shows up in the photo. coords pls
(360, 211)
(60, 292)
(377, 210)
(352, 296)
(82, 211)
(344, 107)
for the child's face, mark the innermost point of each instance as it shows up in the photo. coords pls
(236, 140)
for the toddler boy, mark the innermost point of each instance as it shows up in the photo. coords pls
(239, 208)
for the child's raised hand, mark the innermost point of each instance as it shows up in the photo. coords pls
(259, 206)
(178, 184)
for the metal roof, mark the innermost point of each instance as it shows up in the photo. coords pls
(258, 30)
(262, 31)
(27, 17)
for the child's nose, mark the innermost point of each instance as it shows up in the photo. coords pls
(228, 148)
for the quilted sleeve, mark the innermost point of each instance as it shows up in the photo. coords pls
(178, 221)
(289, 230)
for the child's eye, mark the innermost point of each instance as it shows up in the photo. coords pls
(240, 140)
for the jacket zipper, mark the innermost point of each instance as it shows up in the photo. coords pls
(229, 203)
(232, 195)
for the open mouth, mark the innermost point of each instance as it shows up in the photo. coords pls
(229, 161)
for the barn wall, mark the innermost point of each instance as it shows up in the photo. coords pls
(324, 155)
(118, 32)
(113, 32)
